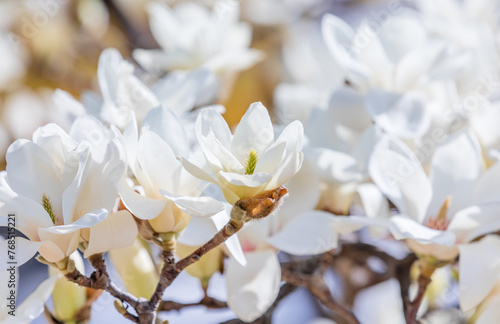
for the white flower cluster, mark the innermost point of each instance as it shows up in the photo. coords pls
(386, 132)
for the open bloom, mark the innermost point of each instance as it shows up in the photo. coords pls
(251, 161)
(62, 195)
(457, 203)
(191, 36)
(170, 195)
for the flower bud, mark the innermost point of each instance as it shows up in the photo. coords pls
(68, 297)
(136, 269)
(204, 268)
(258, 206)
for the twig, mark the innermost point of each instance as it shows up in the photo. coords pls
(318, 288)
(403, 276)
(424, 279)
(208, 302)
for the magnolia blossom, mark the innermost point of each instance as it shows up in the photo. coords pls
(392, 72)
(168, 194)
(124, 93)
(455, 204)
(190, 36)
(62, 196)
(251, 161)
(296, 228)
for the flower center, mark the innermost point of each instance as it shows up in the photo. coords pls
(440, 222)
(47, 205)
(251, 162)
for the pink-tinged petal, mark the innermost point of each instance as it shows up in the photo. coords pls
(210, 121)
(254, 132)
(142, 207)
(310, 233)
(164, 122)
(117, 231)
(455, 166)
(247, 180)
(24, 251)
(475, 285)
(475, 221)
(195, 206)
(404, 115)
(403, 181)
(252, 289)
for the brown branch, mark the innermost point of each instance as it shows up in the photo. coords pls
(318, 288)
(208, 302)
(403, 276)
(424, 279)
(99, 280)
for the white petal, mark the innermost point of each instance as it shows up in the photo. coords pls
(167, 125)
(455, 166)
(157, 161)
(487, 188)
(403, 181)
(490, 314)
(196, 171)
(195, 206)
(210, 120)
(348, 107)
(24, 251)
(286, 170)
(85, 221)
(30, 215)
(374, 203)
(271, 158)
(142, 207)
(255, 131)
(252, 289)
(334, 166)
(117, 231)
(33, 305)
(406, 228)
(307, 234)
(474, 221)
(233, 243)
(475, 286)
(404, 115)
(248, 180)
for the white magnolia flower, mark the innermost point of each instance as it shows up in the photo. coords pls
(191, 36)
(124, 93)
(390, 72)
(296, 228)
(455, 204)
(170, 195)
(251, 161)
(62, 196)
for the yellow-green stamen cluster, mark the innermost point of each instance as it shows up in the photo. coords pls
(47, 205)
(251, 162)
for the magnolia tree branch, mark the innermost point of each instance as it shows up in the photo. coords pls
(208, 302)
